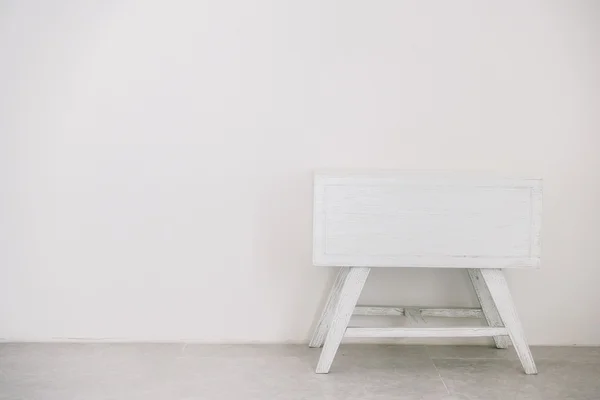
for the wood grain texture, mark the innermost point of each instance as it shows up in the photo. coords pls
(452, 312)
(426, 220)
(379, 311)
(487, 305)
(424, 332)
(351, 289)
(414, 315)
(320, 332)
(500, 293)
(425, 312)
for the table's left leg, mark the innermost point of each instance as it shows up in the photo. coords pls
(351, 289)
(318, 337)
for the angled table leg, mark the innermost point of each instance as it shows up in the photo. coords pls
(488, 307)
(318, 337)
(351, 289)
(500, 293)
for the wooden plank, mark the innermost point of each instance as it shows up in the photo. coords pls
(425, 312)
(351, 289)
(487, 305)
(424, 332)
(414, 315)
(498, 287)
(408, 220)
(452, 312)
(379, 311)
(320, 332)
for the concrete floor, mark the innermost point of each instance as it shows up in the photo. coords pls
(273, 372)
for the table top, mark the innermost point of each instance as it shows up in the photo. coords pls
(399, 219)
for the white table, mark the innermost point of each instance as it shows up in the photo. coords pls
(391, 219)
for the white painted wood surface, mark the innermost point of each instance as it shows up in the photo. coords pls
(414, 315)
(500, 293)
(490, 285)
(487, 305)
(425, 312)
(351, 289)
(452, 312)
(423, 220)
(424, 332)
(324, 323)
(391, 219)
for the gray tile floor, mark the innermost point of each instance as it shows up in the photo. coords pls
(272, 372)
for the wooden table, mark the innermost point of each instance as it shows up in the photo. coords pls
(391, 219)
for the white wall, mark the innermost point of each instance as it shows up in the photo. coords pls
(156, 156)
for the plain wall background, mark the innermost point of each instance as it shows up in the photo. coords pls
(156, 156)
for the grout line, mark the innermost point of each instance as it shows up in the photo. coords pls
(436, 369)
